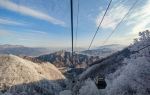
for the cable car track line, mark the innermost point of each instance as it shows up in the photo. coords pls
(99, 24)
(121, 21)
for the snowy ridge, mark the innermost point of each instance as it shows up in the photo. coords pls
(19, 74)
(63, 59)
(126, 72)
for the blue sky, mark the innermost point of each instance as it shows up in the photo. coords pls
(46, 23)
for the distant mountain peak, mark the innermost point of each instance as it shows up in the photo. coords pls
(61, 52)
(22, 50)
(111, 46)
(64, 59)
(103, 51)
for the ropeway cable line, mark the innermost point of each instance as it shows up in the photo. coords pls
(121, 21)
(141, 49)
(78, 6)
(99, 24)
(71, 9)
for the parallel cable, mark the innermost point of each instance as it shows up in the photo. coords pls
(142, 48)
(121, 21)
(77, 24)
(99, 24)
(77, 30)
(71, 9)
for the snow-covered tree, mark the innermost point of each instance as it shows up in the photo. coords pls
(65, 92)
(141, 45)
(134, 77)
(133, 80)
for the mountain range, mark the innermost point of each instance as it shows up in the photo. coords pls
(64, 59)
(103, 51)
(20, 50)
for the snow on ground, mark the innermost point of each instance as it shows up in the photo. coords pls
(23, 75)
(131, 78)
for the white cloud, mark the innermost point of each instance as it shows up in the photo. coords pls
(141, 18)
(35, 31)
(29, 12)
(112, 17)
(30, 37)
(137, 21)
(130, 23)
(38, 32)
(9, 22)
(4, 32)
(30, 33)
(141, 26)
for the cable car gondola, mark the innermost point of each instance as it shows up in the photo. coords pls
(100, 82)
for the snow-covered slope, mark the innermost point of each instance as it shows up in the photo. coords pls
(126, 72)
(18, 75)
(132, 79)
